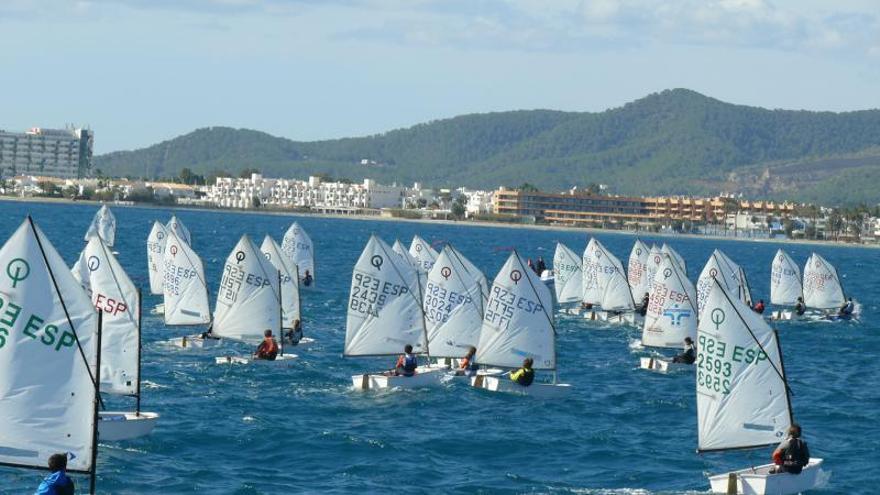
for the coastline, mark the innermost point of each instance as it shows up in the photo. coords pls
(464, 223)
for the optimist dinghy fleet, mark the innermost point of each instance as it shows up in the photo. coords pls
(500, 336)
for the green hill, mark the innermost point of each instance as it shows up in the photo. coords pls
(673, 142)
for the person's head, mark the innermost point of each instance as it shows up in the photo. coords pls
(530, 262)
(647, 296)
(267, 333)
(471, 351)
(800, 299)
(296, 324)
(407, 349)
(57, 462)
(307, 273)
(688, 341)
(849, 299)
(527, 362)
(794, 431)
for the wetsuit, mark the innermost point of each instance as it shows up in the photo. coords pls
(57, 483)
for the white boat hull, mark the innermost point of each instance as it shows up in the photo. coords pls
(782, 315)
(117, 426)
(426, 376)
(504, 384)
(196, 342)
(628, 318)
(655, 364)
(248, 360)
(158, 310)
(759, 481)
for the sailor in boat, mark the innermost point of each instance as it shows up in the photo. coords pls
(525, 375)
(406, 363)
(792, 455)
(586, 306)
(643, 309)
(307, 279)
(295, 334)
(540, 266)
(800, 308)
(268, 348)
(847, 309)
(532, 266)
(209, 334)
(689, 355)
(468, 365)
(759, 308)
(57, 483)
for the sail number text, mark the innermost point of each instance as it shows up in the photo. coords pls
(440, 302)
(716, 359)
(48, 335)
(502, 305)
(369, 294)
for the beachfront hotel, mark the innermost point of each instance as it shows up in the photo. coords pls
(61, 153)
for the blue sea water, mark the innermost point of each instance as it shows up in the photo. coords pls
(301, 429)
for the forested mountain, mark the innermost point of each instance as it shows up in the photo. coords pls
(673, 142)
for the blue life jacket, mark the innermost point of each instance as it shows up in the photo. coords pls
(410, 363)
(56, 483)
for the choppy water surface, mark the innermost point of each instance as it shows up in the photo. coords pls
(299, 428)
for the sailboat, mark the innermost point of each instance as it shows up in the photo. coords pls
(637, 271)
(104, 226)
(518, 324)
(49, 397)
(591, 296)
(667, 249)
(671, 315)
(298, 247)
(423, 253)
(156, 261)
(453, 306)
(114, 294)
(568, 279)
(185, 291)
(615, 297)
(179, 229)
(743, 396)
(822, 288)
(785, 285)
(249, 301)
(290, 301)
(384, 315)
(720, 267)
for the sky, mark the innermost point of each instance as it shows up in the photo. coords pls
(141, 71)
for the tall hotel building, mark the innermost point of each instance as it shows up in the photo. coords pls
(64, 153)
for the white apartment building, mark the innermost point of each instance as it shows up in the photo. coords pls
(314, 193)
(478, 201)
(63, 153)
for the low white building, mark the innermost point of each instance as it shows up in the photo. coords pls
(478, 202)
(314, 193)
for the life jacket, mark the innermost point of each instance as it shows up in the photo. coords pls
(800, 309)
(409, 365)
(795, 455)
(268, 350)
(307, 280)
(468, 364)
(690, 354)
(759, 308)
(524, 376)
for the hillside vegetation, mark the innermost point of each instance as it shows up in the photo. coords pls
(673, 142)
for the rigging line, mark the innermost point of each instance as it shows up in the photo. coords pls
(82, 353)
(741, 319)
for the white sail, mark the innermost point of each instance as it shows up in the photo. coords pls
(517, 323)
(822, 289)
(453, 306)
(384, 310)
(184, 287)
(745, 292)
(667, 249)
(611, 280)
(297, 245)
(785, 280)
(112, 292)
(672, 313)
(567, 275)
(156, 257)
(47, 396)
(590, 267)
(179, 229)
(742, 400)
(423, 253)
(290, 302)
(404, 253)
(720, 267)
(104, 226)
(474, 272)
(248, 299)
(637, 271)
(655, 259)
